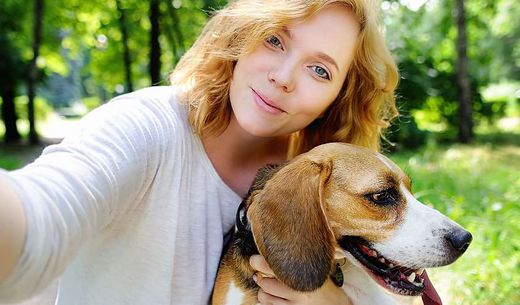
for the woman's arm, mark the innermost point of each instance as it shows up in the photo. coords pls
(12, 228)
(77, 189)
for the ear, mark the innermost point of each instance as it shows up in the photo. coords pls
(263, 175)
(290, 227)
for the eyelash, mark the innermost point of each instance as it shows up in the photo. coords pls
(275, 42)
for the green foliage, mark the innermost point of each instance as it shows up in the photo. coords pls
(504, 95)
(86, 35)
(91, 102)
(13, 65)
(41, 108)
(423, 41)
(404, 134)
(478, 187)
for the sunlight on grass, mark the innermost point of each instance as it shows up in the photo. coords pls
(479, 187)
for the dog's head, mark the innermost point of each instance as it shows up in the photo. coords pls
(344, 196)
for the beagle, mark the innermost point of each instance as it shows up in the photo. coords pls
(338, 211)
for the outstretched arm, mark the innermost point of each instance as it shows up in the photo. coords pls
(12, 228)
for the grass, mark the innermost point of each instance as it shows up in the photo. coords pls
(479, 187)
(15, 156)
(476, 185)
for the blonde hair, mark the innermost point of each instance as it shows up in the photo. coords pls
(363, 108)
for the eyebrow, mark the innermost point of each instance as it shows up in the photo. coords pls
(287, 32)
(319, 55)
(327, 58)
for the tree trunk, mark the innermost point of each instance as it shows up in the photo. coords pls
(177, 39)
(463, 80)
(126, 48)
(33, 69)
(155, 47)
(9, 116)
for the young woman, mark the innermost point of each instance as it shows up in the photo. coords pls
(134, 207)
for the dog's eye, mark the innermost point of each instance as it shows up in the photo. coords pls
(385, 197)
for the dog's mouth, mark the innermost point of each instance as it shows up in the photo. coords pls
(389, 274)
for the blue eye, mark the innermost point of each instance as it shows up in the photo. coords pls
(321, 72)
(275, 42)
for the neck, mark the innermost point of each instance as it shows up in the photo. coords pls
(237, 155)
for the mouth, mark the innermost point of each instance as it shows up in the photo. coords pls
(387, 273)
(265, 104)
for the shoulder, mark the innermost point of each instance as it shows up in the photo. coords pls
(153, 107)
(162, 100)
(150, 117)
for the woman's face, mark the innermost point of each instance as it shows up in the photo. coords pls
(290, 79)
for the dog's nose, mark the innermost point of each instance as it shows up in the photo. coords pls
(459, 239)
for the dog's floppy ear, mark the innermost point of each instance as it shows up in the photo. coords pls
(290, 227)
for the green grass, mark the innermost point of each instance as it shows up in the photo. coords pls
(15, 156)
(479, 187)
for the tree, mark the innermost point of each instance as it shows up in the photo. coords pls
(12, 64)
(463, 82)
(155, 46)
(33, 69)
(126, 48)
(10, 77)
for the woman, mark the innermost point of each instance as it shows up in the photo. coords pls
(134, 207)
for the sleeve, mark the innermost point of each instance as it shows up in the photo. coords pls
(78, 187)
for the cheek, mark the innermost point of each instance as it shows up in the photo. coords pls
(354, 217)
(254, 63)
(314, 98)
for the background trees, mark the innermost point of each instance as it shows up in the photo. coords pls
(93, 50)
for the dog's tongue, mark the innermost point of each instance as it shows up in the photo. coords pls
(430, 296)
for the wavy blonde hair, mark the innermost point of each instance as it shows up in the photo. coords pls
(363, 108)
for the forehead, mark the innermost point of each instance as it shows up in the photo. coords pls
(364, 173)
(332, 31)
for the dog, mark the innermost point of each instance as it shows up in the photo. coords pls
(338, 211)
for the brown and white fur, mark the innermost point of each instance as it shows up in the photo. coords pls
(337, 202)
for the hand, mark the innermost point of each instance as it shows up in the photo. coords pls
(274, 292)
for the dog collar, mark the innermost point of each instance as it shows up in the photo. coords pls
(241, 223)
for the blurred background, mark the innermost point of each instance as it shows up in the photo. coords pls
(458, 136)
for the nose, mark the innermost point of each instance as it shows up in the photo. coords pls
(459, 239)
(283, 76)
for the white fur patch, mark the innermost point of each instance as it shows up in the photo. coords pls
(386, 162)
(360, 288)
(419, 240)
(234, 295)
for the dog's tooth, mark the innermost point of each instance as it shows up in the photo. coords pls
(382, 260)
(420, 271)
(420, 283)
(411, 277)
(373, 253)
(391, 265)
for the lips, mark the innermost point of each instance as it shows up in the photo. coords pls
(265, 104)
